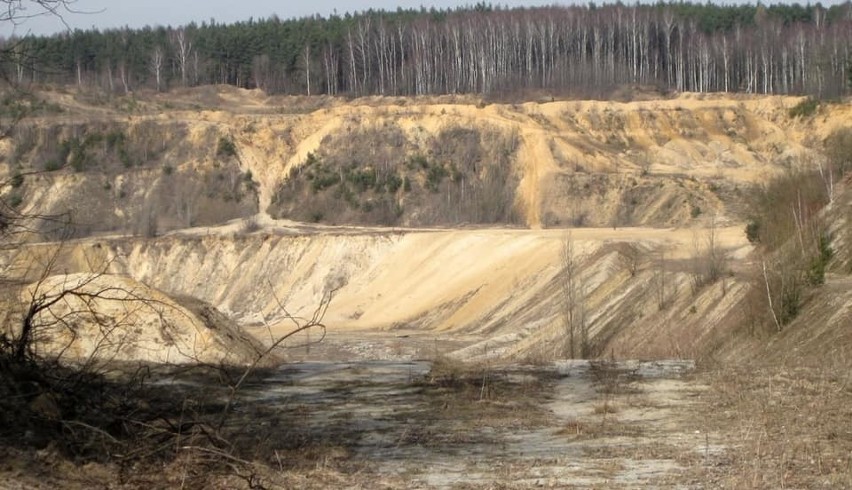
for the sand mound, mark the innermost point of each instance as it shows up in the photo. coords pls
(108, 317)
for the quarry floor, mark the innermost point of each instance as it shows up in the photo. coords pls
(369, 410)
(570, 424)
(382, 410)
(394, 410)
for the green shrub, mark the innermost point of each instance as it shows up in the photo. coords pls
(752, 232)
(393, 182)
(311, 159)
(78, 159)
(226, 148)
(115, 139)
(15, 200)
(92, 139)
(417, 161)
(73, 151)
(434, 176)
(323, 180)
(805, 108)
(124, 157)
(362, 180)
(17, 181)
(816, 272)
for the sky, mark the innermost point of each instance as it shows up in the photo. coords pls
(105, 14)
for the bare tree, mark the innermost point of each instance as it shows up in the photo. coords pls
(299, 325)
(306, 58)
(19, 11)
(57, 306)
(183, 50)
(15, 223)
(573, 301)
(261, 71)
(660, 281)
(155, 64)
(709, 260)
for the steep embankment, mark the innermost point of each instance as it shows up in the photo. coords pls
(503, 285)
(140, 175)
(426, 162)
(181, 163)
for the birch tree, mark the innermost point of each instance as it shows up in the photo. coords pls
(183, 52)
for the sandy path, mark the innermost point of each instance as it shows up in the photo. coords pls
(537, 161)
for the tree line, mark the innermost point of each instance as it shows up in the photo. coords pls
(782, 49)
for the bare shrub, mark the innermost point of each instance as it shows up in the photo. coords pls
(113, 413)
(838, 149)
(709, 260)
(793, 241)
(146, 221)
(784, 439)
(661, 281)
(573, 302)
(250, 225)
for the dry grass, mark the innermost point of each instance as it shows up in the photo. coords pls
(601, 428)
(468, 396)
(605, 408)
(613, 379)
(787, 427)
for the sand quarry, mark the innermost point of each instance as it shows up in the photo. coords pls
(485, 305)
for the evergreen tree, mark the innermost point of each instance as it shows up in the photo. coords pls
(784, 48)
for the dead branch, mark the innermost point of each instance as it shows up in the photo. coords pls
(314, 322)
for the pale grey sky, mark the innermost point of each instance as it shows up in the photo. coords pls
(105, 14)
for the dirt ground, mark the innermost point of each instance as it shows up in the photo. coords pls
(409, 424)
(375, 409)
(379, 410)
(566, 424)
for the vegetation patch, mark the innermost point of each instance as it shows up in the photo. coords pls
(793, 241)
(226, 148)
(806, 108)
(375, 175)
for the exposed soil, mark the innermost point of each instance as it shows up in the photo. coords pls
(582, 424)
(437, 370)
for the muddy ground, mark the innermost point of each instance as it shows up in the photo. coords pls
(342, 417)
(415, 425)
(373, 409)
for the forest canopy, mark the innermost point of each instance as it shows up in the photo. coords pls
(784, 48)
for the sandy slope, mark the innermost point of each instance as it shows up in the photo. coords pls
(499, 284)
(691, 145)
